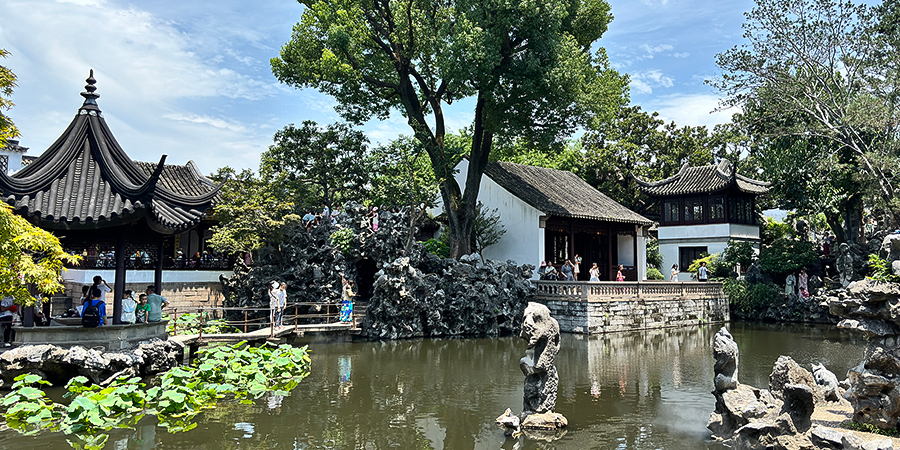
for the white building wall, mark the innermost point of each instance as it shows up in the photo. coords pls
(714, 237)
(523, 241)
(625, 245)
(14, 160)
(641, 265)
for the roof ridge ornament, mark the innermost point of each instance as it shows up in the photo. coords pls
(90, 97)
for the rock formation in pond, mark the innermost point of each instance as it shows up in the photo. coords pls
(776, 418)
(412, 295)
(873, 308)
(58, 365)
(541, 379)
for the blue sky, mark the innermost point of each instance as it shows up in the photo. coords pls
(191, 79)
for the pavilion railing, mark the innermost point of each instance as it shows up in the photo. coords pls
(145, 263)
(249, 318)
(623, 290)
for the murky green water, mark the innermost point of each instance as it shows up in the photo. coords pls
(648, 390)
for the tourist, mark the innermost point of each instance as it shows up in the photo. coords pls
(156, 303)
(308, 220)
(803, 284)
(568, 271)
(101, 284)
(595, 272)
(577, 269)
(142, 309)
(326, 212)
(374, 215)
(273, 302)
(619, 276)
(826, 246)
(542, 270)
(7, 309)
(347, 300)
(94, 312)
(703, 273)
(128, 307)
(675, 273)
(282, 303)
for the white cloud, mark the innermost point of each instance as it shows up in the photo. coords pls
(644, 82)
(681, 54)
(655, 49)
(216, 122)
(689, 109)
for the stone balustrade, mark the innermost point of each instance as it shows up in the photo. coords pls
(607, 306)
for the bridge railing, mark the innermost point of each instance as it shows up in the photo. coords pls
(616, 290)
(294, 314)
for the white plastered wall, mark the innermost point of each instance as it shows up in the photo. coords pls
(714, 237)
(523, 241)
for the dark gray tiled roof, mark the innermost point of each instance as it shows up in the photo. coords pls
(86, 181)
(703, 180)
(560, 193)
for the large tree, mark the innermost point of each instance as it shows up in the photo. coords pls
(808, 76)
(330, 161)
(528, 66)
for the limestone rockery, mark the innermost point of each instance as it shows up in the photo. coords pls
(407, 294)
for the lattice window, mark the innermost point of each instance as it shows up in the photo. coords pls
(4, 163)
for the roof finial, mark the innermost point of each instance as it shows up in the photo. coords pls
(90, 98)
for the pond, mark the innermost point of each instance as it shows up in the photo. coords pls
(642, 390)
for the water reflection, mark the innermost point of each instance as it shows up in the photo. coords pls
(645, 390)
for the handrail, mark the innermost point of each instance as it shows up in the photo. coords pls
(331, 313)
(604, 290)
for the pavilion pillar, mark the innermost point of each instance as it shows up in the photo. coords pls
(157, 274)
(609, 252)
(119, 289)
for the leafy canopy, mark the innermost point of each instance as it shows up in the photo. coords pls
(8, 129)
(28, 255)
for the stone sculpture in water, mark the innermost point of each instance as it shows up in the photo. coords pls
(541, 380)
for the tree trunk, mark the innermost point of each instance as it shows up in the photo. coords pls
(851, 212)
(834, 222)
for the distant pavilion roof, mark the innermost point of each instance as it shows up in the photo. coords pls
(85, 180)
(560, 193)
(703, 180)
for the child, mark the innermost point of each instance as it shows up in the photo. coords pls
(142, 309)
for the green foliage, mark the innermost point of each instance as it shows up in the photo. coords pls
(402, 175)
(881, 270)
(869, 428)
(28, 410)
(28, 255)
(189, 323)
(750, 298)
(330, 161)
(437, 247)
(8, 129)
(529, 66)
(774, 230)
(654, 257)
(714, 264)
(239, 371)
(738, 252)
(487, 229)
(342, 240)
(785, 256)
(816, 82)
(252, 212)
(654, 274)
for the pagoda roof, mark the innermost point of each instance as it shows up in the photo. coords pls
(707, 179)
(560, 193)
(85, 180)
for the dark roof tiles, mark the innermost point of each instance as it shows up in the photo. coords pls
(703, 179)
(560, 193)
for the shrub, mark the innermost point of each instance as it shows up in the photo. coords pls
(714, 264)
(738, 252)
(654, 257)
(437, 247)
(881, 270)
(785, 256)
(342, 240)
(749, 298)
(654, 274)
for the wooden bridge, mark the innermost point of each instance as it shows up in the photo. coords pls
(318, 318)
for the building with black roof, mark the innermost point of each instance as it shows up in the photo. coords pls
(701, 209)
(87, 190)
(553, 215)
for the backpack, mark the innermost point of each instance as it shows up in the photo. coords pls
(90, 317)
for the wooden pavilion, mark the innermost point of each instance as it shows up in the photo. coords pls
(88, 191)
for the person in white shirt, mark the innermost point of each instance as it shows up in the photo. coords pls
(101, 284)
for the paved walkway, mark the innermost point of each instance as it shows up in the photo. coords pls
(264, 333)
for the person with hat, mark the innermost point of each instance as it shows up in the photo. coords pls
(274, 293)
